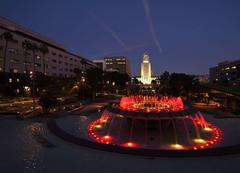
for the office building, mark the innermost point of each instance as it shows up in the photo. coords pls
(100, 64)
(226, 72)
(119, 63)
(16, 57)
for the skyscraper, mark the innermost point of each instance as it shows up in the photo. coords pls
(146, 71)
(118, 63)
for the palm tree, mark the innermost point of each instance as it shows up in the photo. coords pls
(8, 37)
(33, 47)
(84, 62)
(26, 46)
(44, 49)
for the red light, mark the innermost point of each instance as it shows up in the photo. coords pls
(130, 145)
(162, 104)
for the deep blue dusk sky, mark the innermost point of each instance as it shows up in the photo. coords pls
(193, 35)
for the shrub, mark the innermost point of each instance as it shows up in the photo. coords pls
(47, 102)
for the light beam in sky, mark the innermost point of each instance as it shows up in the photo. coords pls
(109, 30)
(147, 11)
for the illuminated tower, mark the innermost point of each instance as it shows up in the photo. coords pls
(146, 71)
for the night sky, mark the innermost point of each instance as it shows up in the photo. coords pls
(180, 35)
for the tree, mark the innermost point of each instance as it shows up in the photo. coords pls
(32, 47)
(177, 84)
(135, 87)
(164, 88)
(182, 84)
(44, 49)
(84, 63)
(94, 78)
(47, 101)
(25, 46)
(116, 81)
(8, 37)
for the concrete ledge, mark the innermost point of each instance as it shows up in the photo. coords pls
(220, 151)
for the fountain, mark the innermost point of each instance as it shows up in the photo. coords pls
(149, 122)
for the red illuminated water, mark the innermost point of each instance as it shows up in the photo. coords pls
(171, 130)
(152, 103)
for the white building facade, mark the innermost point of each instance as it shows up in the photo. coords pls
(57, 62)
(146, 71)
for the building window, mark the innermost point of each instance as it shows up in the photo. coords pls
(59, 62)
(27, 63)
(14, 60)
(54, 60)
(1, 69)
(37, 65)
(53, 53)
(60, 55)
(13, 70)
(10, 80)
(38, 57)
(54, 67)
(11, 50)
(18, 80)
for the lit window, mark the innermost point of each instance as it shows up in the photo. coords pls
(11, 50)
(234, 67)
(14, 70)
(121, 63)
(38, 57)
(17, 91)
(18, 80)
(14, 60)
(10, 80)
(227, 68)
